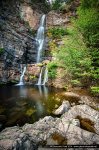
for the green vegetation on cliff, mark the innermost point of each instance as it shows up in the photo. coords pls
(88, 25)
(79, 52)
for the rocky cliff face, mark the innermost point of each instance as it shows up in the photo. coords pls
(18, 23)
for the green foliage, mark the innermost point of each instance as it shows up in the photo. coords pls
(76, 82)
(64, 7)
(32, 32)
(95, 89)
(57, 32)
(41, 5)
(73, 55)
(65, 87)
(1, 50)
(52, 70)
(88, 24)
(79, 55)
(56, 5)
(89, 3)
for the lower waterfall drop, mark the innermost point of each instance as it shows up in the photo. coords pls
(43, 77)
(40, 77)
(21, 77)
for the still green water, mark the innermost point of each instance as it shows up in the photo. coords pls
(27, 104)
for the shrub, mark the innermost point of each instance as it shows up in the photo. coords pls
(88, 24)
(73, 56)
(52, 70)
(56, 5)
(57, 32)
(1, 50)
(89, 3)
(95, 89)
(76, 82)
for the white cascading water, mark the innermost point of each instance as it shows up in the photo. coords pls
(40, 77)
(21, 77)
(40, 38)
(50, 1)
(45, 76)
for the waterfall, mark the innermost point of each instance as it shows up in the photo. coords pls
(40, 38)
(50, 1)
(45, 76)
(21, 77)
(40, 77)
(40, 41)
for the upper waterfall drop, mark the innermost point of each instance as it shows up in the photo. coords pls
(40, 38)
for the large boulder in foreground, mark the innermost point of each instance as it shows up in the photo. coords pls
(64, 130)
(83, 111)
(63, 108)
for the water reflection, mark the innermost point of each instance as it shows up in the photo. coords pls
(25, 104)
(40, 89)
(40, 108)
(22, 91)
(43, 90)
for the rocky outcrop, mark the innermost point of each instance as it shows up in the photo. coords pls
(84, 111)
(18, 22)
(81, 96)
(63, 108)
(54, 131)
(29, 15)
(56, 19)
